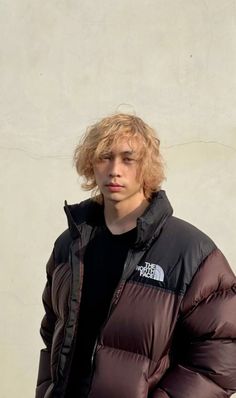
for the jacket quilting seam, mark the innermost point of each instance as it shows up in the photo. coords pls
(174, 292)
(126, 351)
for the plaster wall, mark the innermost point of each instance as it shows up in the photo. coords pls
(65, 64)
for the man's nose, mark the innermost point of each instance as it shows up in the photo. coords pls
(115, 170)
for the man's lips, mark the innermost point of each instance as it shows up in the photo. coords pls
(113, 187)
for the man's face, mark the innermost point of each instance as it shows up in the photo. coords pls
(116, 173)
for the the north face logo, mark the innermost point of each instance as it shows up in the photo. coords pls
(152, 271)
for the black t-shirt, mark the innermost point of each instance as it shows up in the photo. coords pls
(103, 265)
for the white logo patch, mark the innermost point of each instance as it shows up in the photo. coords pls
(152, 271)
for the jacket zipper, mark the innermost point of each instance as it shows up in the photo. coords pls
(113, 304)
(114, 301)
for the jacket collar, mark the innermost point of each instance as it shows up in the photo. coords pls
(149, 225)
(89, 214)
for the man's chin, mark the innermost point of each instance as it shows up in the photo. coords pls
(114, 198)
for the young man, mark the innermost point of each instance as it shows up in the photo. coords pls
(139, 304)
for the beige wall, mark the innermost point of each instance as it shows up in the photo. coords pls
(63, 65)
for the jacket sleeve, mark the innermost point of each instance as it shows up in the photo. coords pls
(46, 331)
(204, 359)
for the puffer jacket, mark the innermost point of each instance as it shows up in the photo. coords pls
(171, 327)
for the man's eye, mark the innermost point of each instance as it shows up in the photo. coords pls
(105, 156)
(129, 160)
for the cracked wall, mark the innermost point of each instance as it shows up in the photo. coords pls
(66, 64)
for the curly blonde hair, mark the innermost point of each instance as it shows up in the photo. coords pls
(108, 131)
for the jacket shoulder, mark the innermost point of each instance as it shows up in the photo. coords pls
(189, 239)
(181, 249)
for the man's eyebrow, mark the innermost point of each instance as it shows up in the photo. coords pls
(128, 152)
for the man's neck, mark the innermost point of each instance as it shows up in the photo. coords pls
(120, 217)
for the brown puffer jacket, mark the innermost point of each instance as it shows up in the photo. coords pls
(171, 327)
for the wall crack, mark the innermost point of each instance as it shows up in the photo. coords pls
(200, 142)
